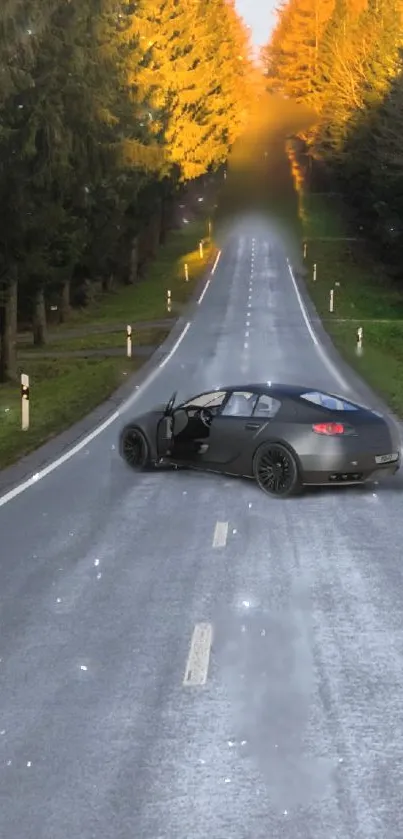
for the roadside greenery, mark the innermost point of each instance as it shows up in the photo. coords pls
(62, 392)
(364, 296)
(63, 389)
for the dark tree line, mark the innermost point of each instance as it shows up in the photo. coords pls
(106, 109)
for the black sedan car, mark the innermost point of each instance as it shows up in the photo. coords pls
(283, 436)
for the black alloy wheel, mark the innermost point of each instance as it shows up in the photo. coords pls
(134, 447)
(275, 470)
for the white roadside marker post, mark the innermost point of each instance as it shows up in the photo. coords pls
(186, 272)
(304, 250)
(359, 340)
(201, 250)
(24, 402)
(331, 301)
(314, 272)
(168, 301)
(129, 341)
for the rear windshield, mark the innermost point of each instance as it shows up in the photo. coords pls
(334, 403)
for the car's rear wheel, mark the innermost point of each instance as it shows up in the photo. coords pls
(276, 470)
(134, 447)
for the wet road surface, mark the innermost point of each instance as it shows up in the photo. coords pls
(288, 615)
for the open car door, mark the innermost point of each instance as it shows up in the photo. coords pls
(165, 428)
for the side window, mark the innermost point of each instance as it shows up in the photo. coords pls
(326, 400)
(240, 404)
(207, 400)
(266, 407)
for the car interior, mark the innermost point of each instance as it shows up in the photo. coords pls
(191, 421)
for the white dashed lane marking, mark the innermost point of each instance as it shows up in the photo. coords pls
(220, 534)
(199, 655)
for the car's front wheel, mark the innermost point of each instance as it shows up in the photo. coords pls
(134, 447)
(276, 470)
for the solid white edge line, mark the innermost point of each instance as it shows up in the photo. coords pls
(216, 262)
(38, 476)
(204, 291)
(302, 306)
(199, 656)
(326, 360)
(209, 279)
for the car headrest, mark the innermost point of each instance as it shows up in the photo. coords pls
(238, 406)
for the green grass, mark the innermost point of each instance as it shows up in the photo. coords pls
(381, 362)
(364, 295)
(61, 392)
(102, 341)
(317, 222)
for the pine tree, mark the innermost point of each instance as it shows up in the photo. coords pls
(361, 55)
(180, 70)
(21, 31)
(294, 55)
(104, 106)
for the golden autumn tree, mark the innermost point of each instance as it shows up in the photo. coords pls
(362, 56)
(356, 90)
(189, 68)
(291, 59)
(232, 86)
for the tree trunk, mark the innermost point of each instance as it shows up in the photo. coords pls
(39, 318)
(107, 283)
(8, 332)
(134, 261)
(166, 221)
(65, 302)
(156, 227)
(143, 251)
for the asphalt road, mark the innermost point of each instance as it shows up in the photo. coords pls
(105, 576)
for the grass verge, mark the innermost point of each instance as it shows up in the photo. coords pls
(147, 299)
(64, 390)
(103, 341)
(364, 296)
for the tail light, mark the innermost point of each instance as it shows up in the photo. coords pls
(330, 429)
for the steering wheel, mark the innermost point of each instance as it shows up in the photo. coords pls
(206, 417)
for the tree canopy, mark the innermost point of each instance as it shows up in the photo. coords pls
(106, 107)
(344, 59)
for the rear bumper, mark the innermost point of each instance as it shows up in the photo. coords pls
(345, 472)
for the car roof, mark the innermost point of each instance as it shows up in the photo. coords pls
(284, 391)
(272, 388)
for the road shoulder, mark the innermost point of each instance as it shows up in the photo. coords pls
(13, 475)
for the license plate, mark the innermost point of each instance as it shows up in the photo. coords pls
(386, 458)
